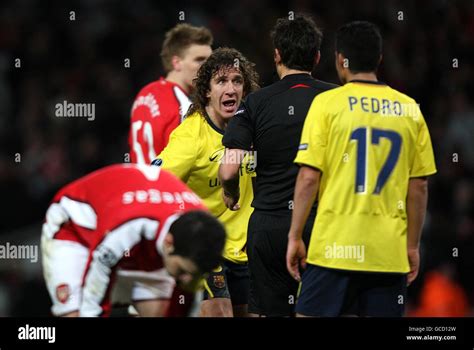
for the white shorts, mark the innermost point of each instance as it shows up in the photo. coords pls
(142, 285)
(64, 265)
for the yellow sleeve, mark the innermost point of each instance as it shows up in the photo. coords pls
(423, 162)
(314, 138)
(179, 156)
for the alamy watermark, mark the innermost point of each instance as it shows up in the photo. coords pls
(28, 332)
(350, 252)
(249, 158)
(13, 251)
(75, 110)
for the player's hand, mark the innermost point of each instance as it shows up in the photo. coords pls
(295, 257)
(414, 261)
(230, 201)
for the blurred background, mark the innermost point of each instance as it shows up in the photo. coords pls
(428, 54)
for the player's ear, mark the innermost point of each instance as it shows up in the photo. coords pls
(176, 63)
(168, 243)
(317, 58)
(277, 56)
(340, 59)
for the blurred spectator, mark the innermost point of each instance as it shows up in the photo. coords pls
(441, 296)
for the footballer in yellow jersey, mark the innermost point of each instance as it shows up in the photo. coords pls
(365, 146)
(194, 153)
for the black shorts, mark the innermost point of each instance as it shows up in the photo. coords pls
(230, 281)
(272, 289)
(330, 293)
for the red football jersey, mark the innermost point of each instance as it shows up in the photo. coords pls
(121, 213)
(130, 200)
(157, 110)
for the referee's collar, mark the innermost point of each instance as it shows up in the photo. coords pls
(297, 76)
(367, 82)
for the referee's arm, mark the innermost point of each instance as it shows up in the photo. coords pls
(237, 140)
(229, 177)
(306, 188)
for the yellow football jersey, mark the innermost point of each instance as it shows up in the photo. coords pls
(368, 140)
(193, 154)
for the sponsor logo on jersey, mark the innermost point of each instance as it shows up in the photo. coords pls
(216, 156)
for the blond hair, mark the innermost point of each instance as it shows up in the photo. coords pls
(179, 39)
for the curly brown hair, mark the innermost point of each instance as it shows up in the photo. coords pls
(221, 58)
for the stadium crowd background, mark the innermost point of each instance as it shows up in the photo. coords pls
(428, 54)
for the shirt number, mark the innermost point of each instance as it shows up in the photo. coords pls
(360, 136)
(148, 138)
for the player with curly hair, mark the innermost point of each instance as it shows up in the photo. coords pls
(194, 153)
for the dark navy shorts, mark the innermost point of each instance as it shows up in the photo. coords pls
(330, 293)
(230, 281)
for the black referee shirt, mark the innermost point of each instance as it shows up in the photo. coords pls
(270, 122)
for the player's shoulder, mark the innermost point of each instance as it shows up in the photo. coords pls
(324, 85)
(271, 91)
(100, 173)
(256, 97)
(192, 125)
(94, 179)
(151, 97)
(119, 171)
(121, 175)
(283, 85)
(400, 96)
(155, 87)
(332, 94)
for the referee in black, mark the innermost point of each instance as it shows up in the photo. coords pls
(270, 123)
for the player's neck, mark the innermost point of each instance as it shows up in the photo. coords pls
(284, 71)
(362, 76)
(218, 121)
(173, 77)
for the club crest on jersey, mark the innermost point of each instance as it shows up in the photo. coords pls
(219, 281)
(62, 293)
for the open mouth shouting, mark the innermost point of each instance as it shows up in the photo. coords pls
(229, 105)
